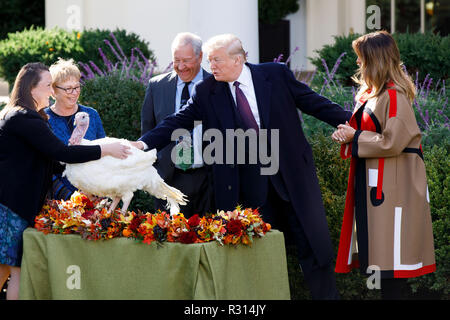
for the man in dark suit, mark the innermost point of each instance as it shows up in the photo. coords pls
(165, 95)
(267, 96)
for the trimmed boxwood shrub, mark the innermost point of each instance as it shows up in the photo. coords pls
(116, 87)
(46, 45)
(36, 45)
(118, 101)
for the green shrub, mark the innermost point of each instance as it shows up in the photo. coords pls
(118, 101)
(330, 55)
(422, 54)
(46, 45)
(438, 174)
(35, 44)
(425, 54)
(272, 11)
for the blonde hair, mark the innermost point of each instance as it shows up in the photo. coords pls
(64, 70)
(228, 41)
(380, 64)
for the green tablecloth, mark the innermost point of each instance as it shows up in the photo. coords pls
(68, 267)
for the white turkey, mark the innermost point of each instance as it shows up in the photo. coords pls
(119, 179)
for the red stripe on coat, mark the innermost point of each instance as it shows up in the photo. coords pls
(414, 273)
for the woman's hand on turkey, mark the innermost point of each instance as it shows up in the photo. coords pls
(116, 150)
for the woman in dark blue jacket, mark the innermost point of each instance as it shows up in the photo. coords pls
(29, 154)
(66, 91)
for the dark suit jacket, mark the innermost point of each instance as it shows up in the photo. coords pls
(159, 102)
(278, 95)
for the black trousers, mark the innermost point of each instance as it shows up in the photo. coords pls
(196, 185)
(391, 289)
(280, 214)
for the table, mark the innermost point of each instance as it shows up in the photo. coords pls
(68, 267)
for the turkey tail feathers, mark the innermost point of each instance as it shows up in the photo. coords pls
(174, 194)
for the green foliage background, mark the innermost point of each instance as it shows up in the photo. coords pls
(423, 53)
(46, 45)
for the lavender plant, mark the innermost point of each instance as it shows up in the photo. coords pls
(430, 104)
(137, 67)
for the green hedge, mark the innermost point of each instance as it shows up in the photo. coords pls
(118, 101)
(46, 45)
(272, 11)
(421, 53)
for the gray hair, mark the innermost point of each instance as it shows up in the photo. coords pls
(185, 38)
(229, 41)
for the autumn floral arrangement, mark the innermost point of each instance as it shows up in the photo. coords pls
(92, 221)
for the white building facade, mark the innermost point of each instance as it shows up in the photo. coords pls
(157, 21)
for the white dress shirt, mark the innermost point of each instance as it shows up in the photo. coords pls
(198, 130)
(197, 133)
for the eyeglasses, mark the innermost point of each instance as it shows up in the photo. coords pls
(184, 61)
(70, 90)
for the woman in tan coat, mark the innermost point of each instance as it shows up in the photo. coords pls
(387, 222)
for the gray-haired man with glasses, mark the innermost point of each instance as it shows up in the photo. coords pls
(167, 94)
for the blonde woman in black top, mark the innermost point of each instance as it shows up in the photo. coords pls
(29, 154)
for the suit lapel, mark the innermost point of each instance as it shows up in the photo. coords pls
(206, 74)
(170, 93)
(262, 92)
(223, 102)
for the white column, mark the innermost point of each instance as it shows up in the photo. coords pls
(298, 37)
(321, 24)
(422, 16)
(208, 18)
(392, 16)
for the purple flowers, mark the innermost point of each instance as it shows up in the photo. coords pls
(431, 100)
(430, 103)
(137, 67)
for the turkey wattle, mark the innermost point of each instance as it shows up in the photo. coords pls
(119, 179)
